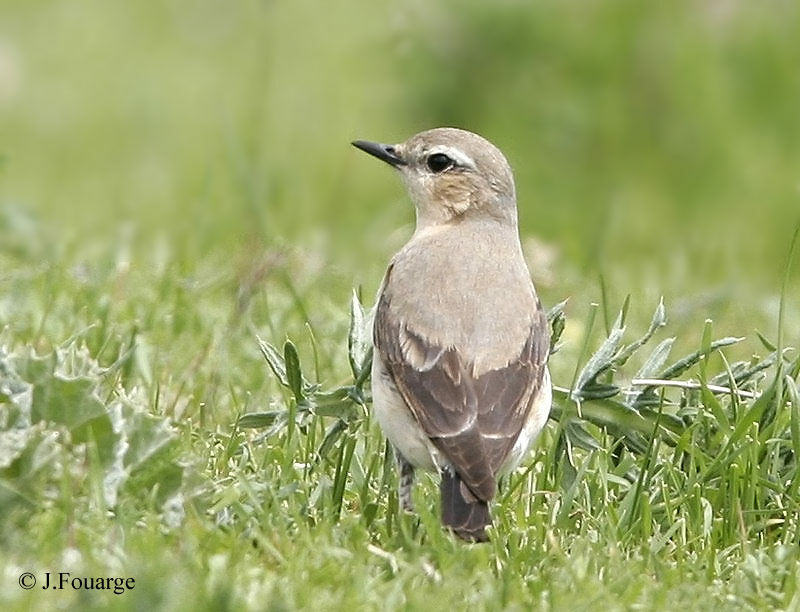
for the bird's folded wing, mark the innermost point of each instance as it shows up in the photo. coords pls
(473, 419)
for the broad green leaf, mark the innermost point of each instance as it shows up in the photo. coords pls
(359, 338)
(255, 420)
(659, 320)
(683, 364)
(294, 375)
(600, 361)
(275, 361)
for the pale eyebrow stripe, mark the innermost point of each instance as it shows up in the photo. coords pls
(461, 158)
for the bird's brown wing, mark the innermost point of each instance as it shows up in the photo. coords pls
(473, 420)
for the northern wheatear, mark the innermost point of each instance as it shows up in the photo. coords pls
(459, 376)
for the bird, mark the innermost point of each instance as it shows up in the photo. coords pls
(460, 382)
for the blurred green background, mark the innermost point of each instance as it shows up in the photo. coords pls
(655, 145)
(176, 178)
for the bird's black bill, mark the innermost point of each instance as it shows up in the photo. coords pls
(383, 152)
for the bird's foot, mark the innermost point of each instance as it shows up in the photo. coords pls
(406, 484)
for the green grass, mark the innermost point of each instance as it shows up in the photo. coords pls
(249, 495)
(178, 198)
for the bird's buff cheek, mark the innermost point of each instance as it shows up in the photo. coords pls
(454, 197)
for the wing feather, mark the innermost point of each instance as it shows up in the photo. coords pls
(474, 420)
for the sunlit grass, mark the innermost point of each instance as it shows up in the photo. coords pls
(178, 199)
(273, 484)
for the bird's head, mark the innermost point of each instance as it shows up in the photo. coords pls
(450, 174)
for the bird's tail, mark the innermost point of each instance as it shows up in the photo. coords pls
(462, 512)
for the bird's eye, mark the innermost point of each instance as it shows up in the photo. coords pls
(439, 162)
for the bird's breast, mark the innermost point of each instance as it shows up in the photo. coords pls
(466, 292)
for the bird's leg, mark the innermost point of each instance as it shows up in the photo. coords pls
(406, 482)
